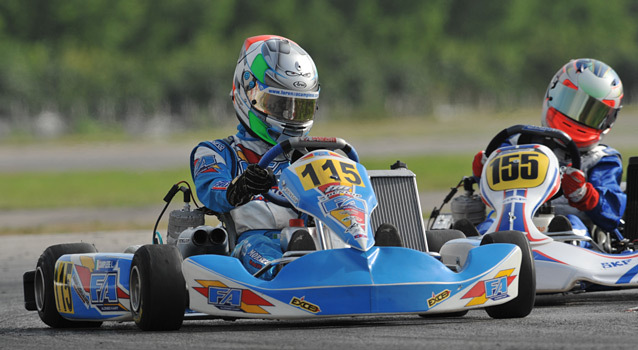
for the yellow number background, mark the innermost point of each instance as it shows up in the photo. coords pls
(518, 181)
(324, 175)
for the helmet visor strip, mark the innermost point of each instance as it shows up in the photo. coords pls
(285, 105)
(583, 108)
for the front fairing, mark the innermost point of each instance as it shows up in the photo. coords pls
(334, 190)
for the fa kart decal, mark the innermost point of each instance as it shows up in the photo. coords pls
(232, 299)
(207, 164)
(304, 305)
(491, 289)
(438, 298)
(95, 284)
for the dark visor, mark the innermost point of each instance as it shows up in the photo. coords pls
(583, 108)
(284, 105)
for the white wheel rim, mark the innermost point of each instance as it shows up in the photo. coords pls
(39, 289)
(135, 289)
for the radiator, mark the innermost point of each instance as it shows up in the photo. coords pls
(399, 205)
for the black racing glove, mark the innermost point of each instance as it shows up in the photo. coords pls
(253, 181)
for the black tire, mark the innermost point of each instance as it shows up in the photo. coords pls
(157, 288)
(437, 238)
(44, 285)
(523, 304)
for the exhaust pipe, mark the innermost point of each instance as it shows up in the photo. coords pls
(203, 240)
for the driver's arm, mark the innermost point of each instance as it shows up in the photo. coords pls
(211, 170)
(605, 178)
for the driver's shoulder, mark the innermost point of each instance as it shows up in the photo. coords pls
(599, 155)
(602, 151)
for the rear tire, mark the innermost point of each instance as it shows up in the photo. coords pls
(43, 285)
(157, 288)
(523, 304)
(437, 238)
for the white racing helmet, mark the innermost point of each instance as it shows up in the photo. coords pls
(583, 100)
(275, 88)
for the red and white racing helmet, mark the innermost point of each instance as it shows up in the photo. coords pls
(583, 100)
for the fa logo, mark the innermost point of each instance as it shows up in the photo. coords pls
(104, 288)
(496, 289)
(224, 298)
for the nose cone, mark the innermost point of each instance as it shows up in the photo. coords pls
(360, 239)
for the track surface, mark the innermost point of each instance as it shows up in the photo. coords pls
(580, 321)
(583, 321)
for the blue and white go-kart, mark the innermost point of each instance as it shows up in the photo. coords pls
(154, 285)
(518, 180)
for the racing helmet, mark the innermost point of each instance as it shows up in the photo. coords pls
(583, 100)
(275, 88)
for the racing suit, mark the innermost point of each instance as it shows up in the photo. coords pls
(602, 166)
(213, 166)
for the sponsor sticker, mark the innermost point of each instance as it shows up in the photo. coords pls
(305, 305)
(494, 288)
(438, 298)
(225, 298)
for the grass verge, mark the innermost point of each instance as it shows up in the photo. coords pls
(97, 189)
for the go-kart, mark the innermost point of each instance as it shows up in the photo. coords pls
(518, 183)
(160, 285)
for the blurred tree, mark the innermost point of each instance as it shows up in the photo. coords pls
(110, 60)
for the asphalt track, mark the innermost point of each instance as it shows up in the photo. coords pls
(575, 321)
(606, 320)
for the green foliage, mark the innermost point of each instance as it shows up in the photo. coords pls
(108, 60)
(87, 189)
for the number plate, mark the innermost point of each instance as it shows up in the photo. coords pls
(518, 169)
(322, 171)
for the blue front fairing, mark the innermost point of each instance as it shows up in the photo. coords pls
(347, 281)
(335, 190)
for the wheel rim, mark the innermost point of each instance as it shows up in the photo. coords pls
(135, 289)
(38, 287)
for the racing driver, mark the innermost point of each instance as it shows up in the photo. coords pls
(275, 92)
(583, 100)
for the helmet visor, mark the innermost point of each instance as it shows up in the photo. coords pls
(285, 105)
(583, 108)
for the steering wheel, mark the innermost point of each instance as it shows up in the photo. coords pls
(543, 133)
(302, 144)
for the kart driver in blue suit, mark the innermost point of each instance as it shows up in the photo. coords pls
(583, 100)
(275, 92)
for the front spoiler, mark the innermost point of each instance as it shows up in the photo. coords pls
(343, 282)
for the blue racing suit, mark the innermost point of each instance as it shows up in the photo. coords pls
(602, 166)
(213, 166)
(603, 169)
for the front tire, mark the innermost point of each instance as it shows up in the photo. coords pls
(523, 304)
(157, 288)
(44, 290)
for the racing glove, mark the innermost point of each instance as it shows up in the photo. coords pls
(253, 181)
(477, 164)
(581, 194)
